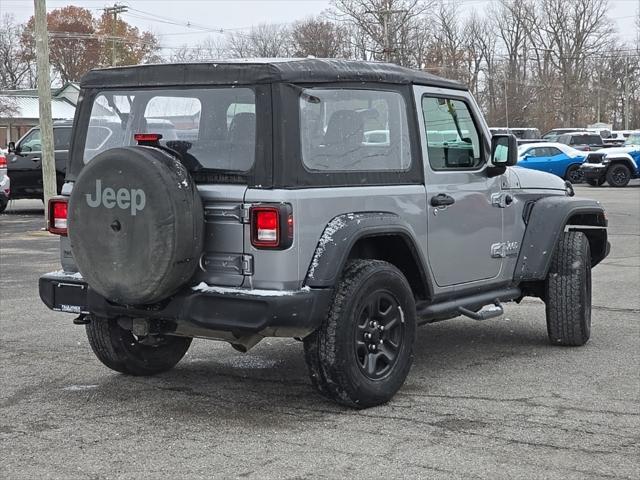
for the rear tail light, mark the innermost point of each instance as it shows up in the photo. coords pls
(58, 207)
(3, 161)
(271, 226)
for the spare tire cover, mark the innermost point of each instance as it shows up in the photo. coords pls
(136, 224)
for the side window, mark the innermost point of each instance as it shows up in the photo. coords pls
(354, 130)
(453, 142)
(61, 138)
(553, 151)
(31, 143)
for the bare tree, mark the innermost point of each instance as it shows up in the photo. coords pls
(210, 49)
(264, 40)
(320, 38)
(570, 48)
(385, 28)
(8, 107)
(15, 69)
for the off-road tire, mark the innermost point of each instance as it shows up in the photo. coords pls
(331, 352)
(568, 291)
(596, 182)
(573, 174)
(618, 175)
(119, 349)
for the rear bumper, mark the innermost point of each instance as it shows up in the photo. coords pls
(237, 311)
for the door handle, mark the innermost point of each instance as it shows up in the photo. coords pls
(35, 159)
(442, 200)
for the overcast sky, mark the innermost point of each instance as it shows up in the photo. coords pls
(179, 22)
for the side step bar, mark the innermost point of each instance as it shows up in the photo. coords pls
(468, 306)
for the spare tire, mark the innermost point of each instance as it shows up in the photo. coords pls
(136, 224)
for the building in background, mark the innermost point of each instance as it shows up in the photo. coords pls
(19, 110)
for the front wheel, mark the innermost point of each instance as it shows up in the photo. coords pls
(568, 291)
(361, 354)
(124, 352)
(574, 174)
(618, 175)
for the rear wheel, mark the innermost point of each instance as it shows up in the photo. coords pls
(362, 353)
(568, 291)
(574, 174)
(124, 352)
(618, 175)
(595, 182)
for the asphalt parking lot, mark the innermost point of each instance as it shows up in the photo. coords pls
(483, 400)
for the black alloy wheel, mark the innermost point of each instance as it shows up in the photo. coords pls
(618, 175)
(361, 354)
(574, 174)
(379, 334)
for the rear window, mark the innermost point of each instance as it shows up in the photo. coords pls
(586, 140)
(354, 130)
(212, 128)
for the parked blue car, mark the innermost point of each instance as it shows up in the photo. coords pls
(556, 158)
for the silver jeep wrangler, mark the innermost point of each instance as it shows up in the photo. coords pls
(343, 203)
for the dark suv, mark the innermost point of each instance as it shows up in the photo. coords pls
(24, 161)
(585, 141)
(342, 203)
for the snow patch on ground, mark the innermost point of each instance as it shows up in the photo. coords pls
(203, 287)
(79, 388)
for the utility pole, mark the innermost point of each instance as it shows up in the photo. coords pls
(115, 10)
(386, 17)
(626, 93)
(599, 88)
(44, 99)
(506, 99)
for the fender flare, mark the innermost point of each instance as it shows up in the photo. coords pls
(545, 224)
(342, 233)
(624, 158)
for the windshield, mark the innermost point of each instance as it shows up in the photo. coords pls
(212, 128)
(633, 139)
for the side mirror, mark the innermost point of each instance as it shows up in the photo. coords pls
(11, 147)
(504, 150)
(526, 157)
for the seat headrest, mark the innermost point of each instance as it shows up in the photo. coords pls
(243, 128)
(345, 128)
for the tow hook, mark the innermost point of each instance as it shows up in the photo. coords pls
(81, 319)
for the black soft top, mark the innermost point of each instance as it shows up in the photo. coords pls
(253, 71)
